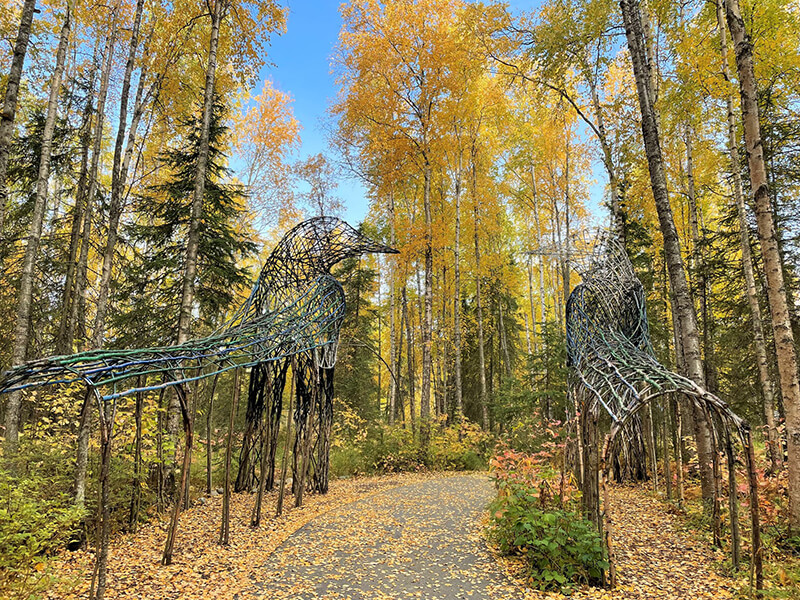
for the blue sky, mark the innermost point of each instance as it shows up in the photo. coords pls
(301, 66)
(299, 63)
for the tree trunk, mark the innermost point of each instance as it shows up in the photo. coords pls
(209, 427)
(675, 401)
(484, 403)
(501, 324)
(616, 189)
(427, 325)
(400, 403)
(567, 198)
(194, 395)
(172, 531)
(665, 457)
(393, 342)
(160, 451)
(650, 425)
(716, 512)
(677, 443)
(774, 446)
(443, 352)
(104, 509)
(224, 531)
(25, 298)
(647, 38)
(136, 493)
(530, 330)
(117, 181)
(733, 504)
(217, 8)
(459, 399)
(542, 295)
(701, 291)
(192, 243)
(79, 307)
(588, 447)
(776, 290)
(606, 517)
(66, 328)
(9, 112)
(78, 315)
(755, 525)
(684, 311)
(410, 355)
(699, 266)
(484, 399)
(82, 455)
(560, 268)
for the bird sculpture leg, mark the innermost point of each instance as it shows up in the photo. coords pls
(325, 422)
(304, 417)
(255, 409)
(278, 371)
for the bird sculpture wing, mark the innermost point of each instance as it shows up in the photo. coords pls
(311, 321)
(295, 307)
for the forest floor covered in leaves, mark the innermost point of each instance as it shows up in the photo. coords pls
(398, 536)
(657, 558)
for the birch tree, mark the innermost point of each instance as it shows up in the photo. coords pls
(9, 109)
(25, 297)
(684, 311)
(776, 286)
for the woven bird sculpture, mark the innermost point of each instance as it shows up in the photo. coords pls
(295, 308)
(292, 316)
(612, 365)
(609, 353)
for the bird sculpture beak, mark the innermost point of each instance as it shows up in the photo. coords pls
(369, 246)
(378, 248)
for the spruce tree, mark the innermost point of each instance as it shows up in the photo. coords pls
(152, 286)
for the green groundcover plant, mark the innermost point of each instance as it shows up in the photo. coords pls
(536, 516)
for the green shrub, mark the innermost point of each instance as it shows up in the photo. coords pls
(392, 450)
(560, 548)
(37, 516)
(346, 462)
(458, 447)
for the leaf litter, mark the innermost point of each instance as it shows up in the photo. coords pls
(394, 536)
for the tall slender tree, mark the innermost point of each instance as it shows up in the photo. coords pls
(218, 10)
(751, 291)
(25, 297)
(776, 286)
(117, 180)
(684, 311)
(9, 109)
(77, 318)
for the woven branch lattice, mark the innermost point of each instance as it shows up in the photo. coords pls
(612, 366)
(295, 306)
(292, 316)
(611, 359)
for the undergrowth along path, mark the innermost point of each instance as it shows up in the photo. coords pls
(657, 558)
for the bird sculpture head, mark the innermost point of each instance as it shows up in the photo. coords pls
(315, 245)
(609, 304)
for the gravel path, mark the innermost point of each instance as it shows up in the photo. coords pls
(423, 540)
(417, 541)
